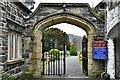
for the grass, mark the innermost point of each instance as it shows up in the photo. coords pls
(80, 60)
(45, 63)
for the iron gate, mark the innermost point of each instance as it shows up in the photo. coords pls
(53, 54)
(84, 55)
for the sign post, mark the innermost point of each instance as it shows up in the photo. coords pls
(100, 50)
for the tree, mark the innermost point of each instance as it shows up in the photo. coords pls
(73, 50)
(56, 35)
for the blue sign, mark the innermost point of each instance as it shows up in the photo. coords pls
(100, 53)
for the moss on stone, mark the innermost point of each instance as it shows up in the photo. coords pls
(95, 74)
(9, 77)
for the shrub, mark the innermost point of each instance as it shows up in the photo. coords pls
(101, 14)
(55, 52)
(80, 54)
(80, 57)
(8, 77)
(73, 50)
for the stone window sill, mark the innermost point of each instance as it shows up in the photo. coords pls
(15, 61)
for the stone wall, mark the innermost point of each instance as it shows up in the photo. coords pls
(113, 17)
(110, 62)
(113, 20)
(7, 24)
(83, 10)
(14, 68)
(3, 37)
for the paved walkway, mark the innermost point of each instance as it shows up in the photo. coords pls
(73, 69)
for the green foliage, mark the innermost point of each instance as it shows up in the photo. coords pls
(101, 14)
(55, 52)
(8, 77)
(26, 76)
(55, 33)
(94, 10)
(80, 57)
(73, 50)
(45, 63)
(81, 53)
(96, 73)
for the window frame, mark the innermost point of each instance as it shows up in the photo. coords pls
(14, 46)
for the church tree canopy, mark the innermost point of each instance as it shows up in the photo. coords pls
(55, 34)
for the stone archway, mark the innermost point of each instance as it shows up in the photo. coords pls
(36, 37)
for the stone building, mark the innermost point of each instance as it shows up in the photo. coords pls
(113, 37)
(12, 25)
(13, 29)
(48, 14)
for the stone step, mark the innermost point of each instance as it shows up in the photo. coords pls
(67, 79)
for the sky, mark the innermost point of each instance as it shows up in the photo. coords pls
(68, 28)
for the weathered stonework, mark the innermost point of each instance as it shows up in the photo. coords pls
(110, 63)
(113, 18)
(48, 14)
(9, 22)
(82, 10)
(113, 23)
(3, 37)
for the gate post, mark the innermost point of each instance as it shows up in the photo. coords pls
(36, 56)
(94, 66)
(33, 60)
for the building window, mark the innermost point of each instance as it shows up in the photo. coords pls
(14, 46)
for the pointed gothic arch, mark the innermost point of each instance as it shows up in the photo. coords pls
(41, 25)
